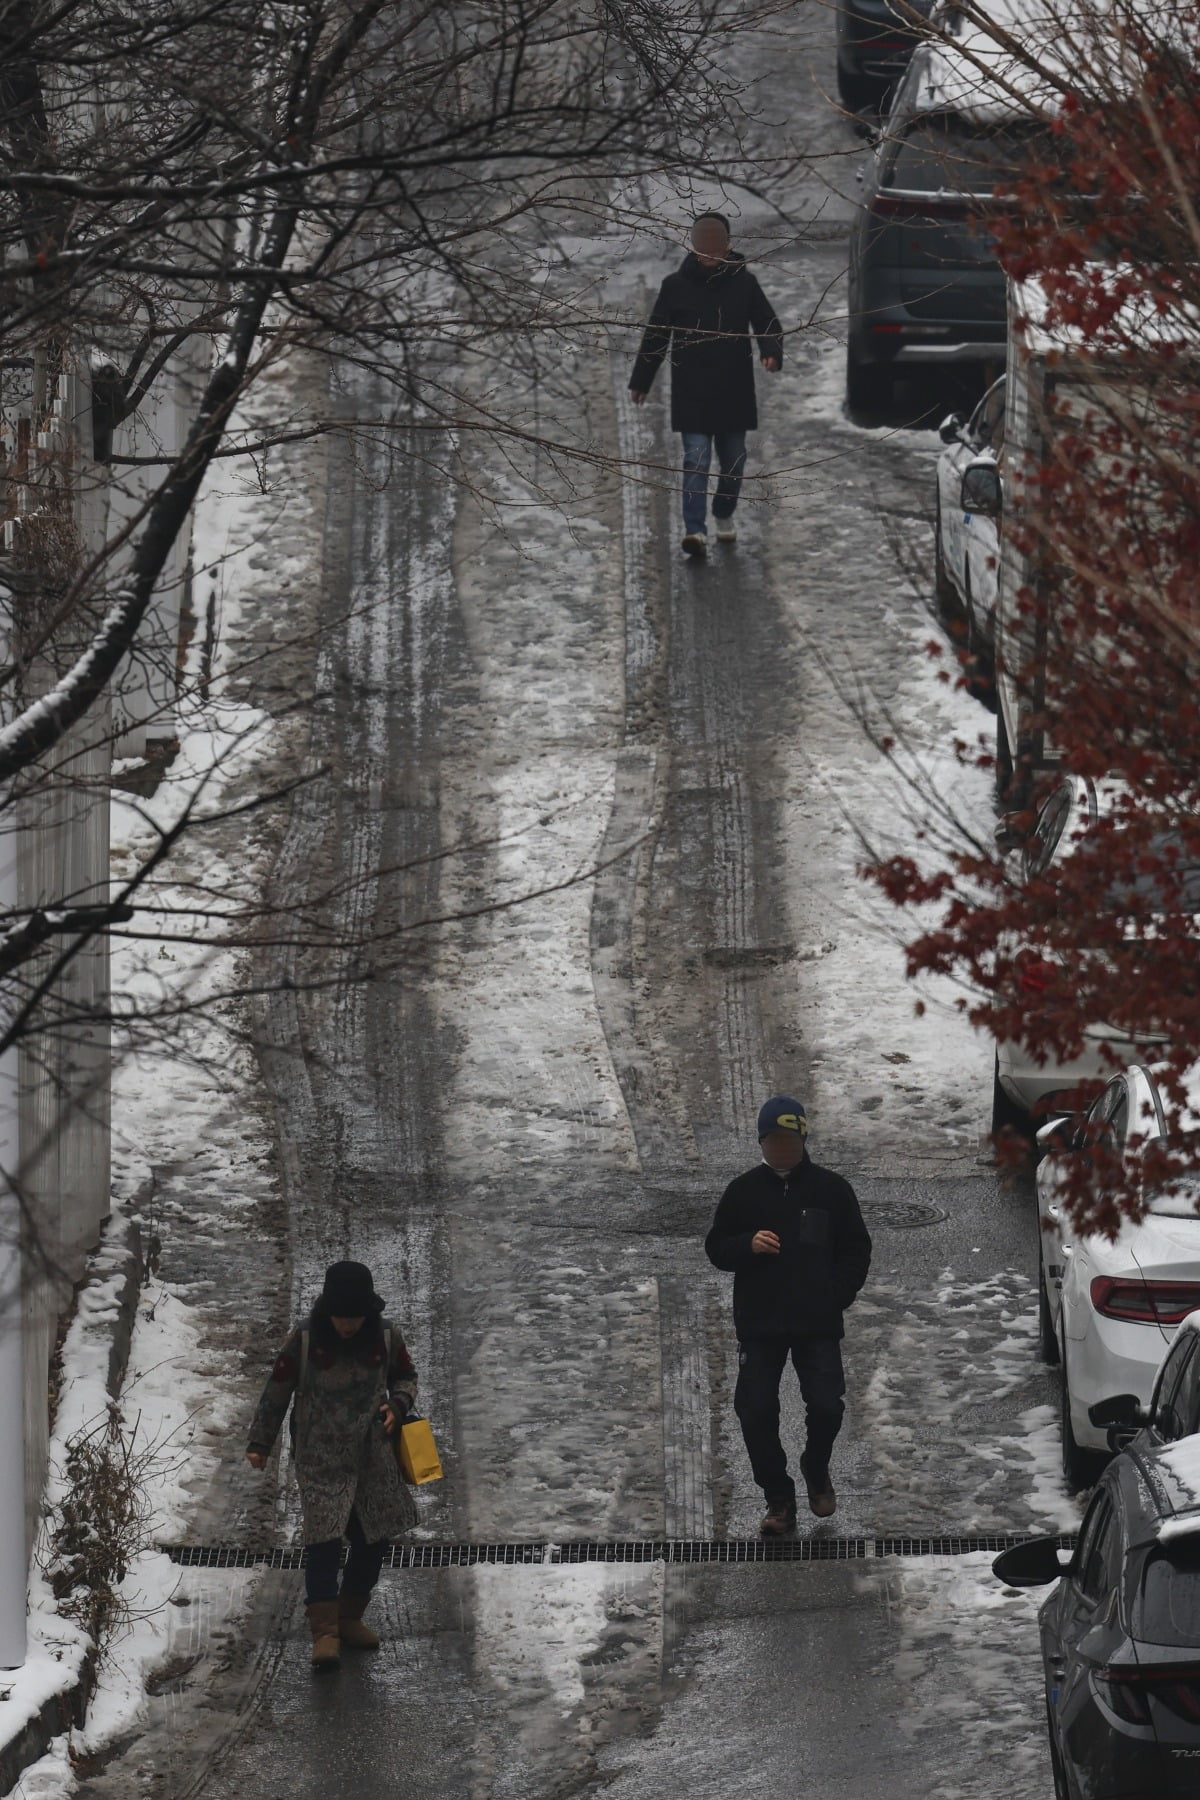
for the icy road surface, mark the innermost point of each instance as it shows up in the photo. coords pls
(524, 1124)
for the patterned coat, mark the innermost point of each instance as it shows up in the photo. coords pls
(343, 1456)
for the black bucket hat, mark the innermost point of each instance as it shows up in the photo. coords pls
(349, 1292)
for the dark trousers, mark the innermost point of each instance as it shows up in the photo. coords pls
(321, 1562)
(818, 1363)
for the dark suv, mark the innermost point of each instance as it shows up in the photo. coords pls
(925, 286)
(875, 39)
(1121, 1632)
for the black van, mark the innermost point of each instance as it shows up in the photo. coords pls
(875, 39)
(926, 289)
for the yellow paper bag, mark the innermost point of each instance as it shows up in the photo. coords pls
(418, 1454)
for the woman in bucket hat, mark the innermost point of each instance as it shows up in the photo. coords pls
(353, 1382)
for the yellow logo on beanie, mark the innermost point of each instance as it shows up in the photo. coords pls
(793, 1122)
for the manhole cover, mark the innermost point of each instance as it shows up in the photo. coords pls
(904, 1215)
(748, 956)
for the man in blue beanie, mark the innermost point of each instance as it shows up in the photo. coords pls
(793, 1237)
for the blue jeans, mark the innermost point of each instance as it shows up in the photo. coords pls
(818, 1363)
(697, 456)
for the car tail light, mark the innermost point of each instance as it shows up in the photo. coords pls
(1129, 1691)
(1145, 1302)
(1034, 974)
(1124, 1692)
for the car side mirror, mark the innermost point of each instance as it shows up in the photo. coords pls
(1120, 1418)
(981, 490)
(1029, 1565)
(950, 429)
(1055, 1134)
(1123, 1410)
(1011, 832)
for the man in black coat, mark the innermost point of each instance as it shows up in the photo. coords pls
(795, 1240)
(705, 314)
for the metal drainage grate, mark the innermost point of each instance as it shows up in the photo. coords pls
(620, 1550)
(904, 1215)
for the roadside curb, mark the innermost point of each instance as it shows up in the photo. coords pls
(98, 1338)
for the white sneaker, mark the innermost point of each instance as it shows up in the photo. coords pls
(726, 531)
(695, 543)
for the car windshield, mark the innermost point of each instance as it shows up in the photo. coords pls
(1164, 878)
(1168, 880)
(945, 155)
(1168, 1604)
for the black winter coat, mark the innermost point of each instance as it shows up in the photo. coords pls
(705, 317)
(823, 1259)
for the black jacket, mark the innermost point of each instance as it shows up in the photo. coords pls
(706, 316)
(823, 1260)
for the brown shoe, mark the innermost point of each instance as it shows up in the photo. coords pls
(780, 1518)
(351, 1630)
(821, 1496)
(323, 1623)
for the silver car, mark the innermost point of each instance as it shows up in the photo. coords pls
(1070, 810)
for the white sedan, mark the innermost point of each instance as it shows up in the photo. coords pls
(967, 541)
(1109, 1308)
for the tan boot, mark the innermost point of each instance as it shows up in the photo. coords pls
(351, 1629)
(323, 1623)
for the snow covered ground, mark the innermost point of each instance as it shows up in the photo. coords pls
(969, 1667)
(182, 1095)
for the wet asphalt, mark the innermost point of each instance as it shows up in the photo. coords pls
(574, 1345)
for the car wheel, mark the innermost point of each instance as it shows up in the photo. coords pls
(943, 588)
(1004, 762)
(1047, 1336)
(980, 679)
(1056, 1769)
(868, 387)
(1006, 1114)
(1081, 1468)
(857, 93)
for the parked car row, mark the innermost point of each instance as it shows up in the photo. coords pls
(1120, 1634)
(1108, 1306)
(1120, 1316)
